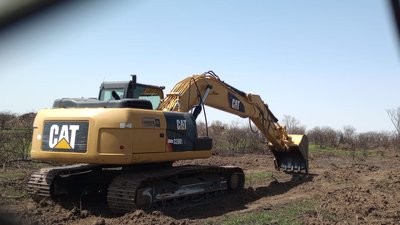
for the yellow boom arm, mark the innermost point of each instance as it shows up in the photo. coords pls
(290, 150)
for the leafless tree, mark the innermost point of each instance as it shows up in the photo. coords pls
(394, 116)
(324, 137)
(348, 137)
(367, 141)
(293, 125)
(314, 135)
(5, 117)
(234, 138)
(385, 138)
(201, 129)
(331, 136)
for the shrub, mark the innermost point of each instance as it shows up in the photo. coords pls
(15, 136)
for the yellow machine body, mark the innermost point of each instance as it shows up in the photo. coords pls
(114, 136)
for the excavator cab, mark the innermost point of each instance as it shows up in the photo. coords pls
(128, 94)
(131, 90)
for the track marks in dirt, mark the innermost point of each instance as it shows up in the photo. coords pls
(364, 192)
(340, 190)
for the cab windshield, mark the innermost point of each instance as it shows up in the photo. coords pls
(106, 94)
(148, 93)
(140, 92)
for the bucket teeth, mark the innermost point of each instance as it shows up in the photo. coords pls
(295, 159)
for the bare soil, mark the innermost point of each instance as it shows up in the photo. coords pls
(342, 190)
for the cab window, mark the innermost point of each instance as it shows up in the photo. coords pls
(155, 100)
(106, 94)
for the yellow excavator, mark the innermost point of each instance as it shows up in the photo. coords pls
(123, 143)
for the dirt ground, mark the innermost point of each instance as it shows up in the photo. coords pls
(339, 190)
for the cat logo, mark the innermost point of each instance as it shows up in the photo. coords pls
(235, 103)
(180, 124)
(65, 136)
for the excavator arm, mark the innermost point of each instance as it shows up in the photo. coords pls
(190, 94)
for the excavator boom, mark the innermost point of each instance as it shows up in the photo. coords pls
(290, 151)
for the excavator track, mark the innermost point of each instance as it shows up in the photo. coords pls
(41, 182)
(175, 185)
(127, 190)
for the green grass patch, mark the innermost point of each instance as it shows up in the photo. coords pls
(257, 178)
(315, 149)
(286, 215)
(12, 194)
(312, 148)
(13, 185)
(13, 181)
(12, 175)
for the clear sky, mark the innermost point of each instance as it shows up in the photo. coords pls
(332, 63)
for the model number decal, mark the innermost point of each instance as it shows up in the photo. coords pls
(175, 141)
(180, 124)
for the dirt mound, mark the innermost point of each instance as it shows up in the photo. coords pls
(347, 173)
(359, 194)
(142, 217)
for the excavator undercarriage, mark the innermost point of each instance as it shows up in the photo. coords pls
(127, 189)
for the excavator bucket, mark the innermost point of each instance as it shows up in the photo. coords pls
(296, 158)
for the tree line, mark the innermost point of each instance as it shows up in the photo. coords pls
(228, 139)
(239, 138)
(348, 138)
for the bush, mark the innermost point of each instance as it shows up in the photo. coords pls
(15, 136)
(233, 139)
(14, 144)
(349, 139)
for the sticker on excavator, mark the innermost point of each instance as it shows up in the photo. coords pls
(151, 122)
(65, 136)
(235, 103)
